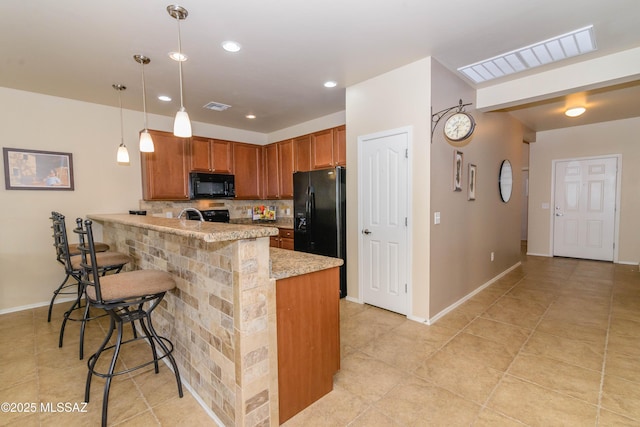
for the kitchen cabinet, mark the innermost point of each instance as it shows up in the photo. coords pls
(329, 148)
(308, 330)
(322, 149)
(247, 166)
(272, 172)
(284, 239)
(340, 146)
(165, 171)
(302, 153)
(211, 155)
(278, 161)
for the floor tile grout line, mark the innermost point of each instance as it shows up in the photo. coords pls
(504, 374)
(604, 358)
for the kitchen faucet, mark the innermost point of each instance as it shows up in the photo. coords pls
(192, 210)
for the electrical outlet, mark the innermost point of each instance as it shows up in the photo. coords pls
(493, 256)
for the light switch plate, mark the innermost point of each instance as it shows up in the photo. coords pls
(436, 217)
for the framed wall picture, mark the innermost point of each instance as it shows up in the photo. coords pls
(471, 191)
(457, 170)
(37, 170)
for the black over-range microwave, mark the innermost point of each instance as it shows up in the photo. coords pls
(211, 185)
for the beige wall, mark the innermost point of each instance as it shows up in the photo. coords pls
(470, 230)
(393, 100)
(28, 270)
(616, 137)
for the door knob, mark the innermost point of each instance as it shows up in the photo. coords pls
(559, 214)
(366, 231)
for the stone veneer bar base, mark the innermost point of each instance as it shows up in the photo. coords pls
(220, 318)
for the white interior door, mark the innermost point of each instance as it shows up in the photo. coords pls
(584, 208)
(383, 209)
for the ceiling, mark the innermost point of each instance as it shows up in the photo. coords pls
(77, 49)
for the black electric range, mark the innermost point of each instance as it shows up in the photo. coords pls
(211, 215)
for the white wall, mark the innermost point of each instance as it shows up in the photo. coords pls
(91, 133)
(616, 137)
(396, 99)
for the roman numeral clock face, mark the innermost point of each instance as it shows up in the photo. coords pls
(459, 126)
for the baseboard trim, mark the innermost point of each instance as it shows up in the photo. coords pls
(35, 305)
(535, 254)
(464, 299)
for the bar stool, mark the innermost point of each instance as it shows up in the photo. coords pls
(73, 250)
(124, 297)
(106, 262)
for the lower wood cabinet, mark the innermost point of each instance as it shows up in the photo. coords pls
(308, 325)
(284, 240)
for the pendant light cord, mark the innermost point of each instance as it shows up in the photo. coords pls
(144, 98)
(180, 59)
(121, 117)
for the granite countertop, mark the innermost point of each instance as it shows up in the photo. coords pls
(207, 231)
(286, 263)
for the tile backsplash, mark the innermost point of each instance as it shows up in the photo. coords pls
(238, 209)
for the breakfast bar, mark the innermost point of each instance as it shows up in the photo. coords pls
(222, 316)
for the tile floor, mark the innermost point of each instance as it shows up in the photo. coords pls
(555, 342)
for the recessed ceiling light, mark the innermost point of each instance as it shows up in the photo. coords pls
(575, 112)
(164, 98)
(231, 46)
(574, 43)
(250, 116)
(330, 84)
(177, 56)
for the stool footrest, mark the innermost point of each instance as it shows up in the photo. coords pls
(167, 343)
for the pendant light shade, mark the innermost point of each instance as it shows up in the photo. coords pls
(181, 124)
(123, 154)
(146, 143)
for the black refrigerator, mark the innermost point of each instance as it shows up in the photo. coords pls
(319, 212)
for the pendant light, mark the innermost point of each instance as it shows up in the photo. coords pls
(123, 153)
(146, 143)
(181, 124)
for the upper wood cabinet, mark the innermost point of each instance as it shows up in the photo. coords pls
(165, 171)
(285, 166)
(211, 155)
(340, 146)
(302, 153)
(329, 148)
(278, 176)
(247, 165)
(322, 149)
(271, 172)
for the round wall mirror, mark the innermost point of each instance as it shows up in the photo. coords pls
(505, 181)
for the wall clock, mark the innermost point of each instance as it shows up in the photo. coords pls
(459, 126)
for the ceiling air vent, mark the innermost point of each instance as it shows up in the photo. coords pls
(216, 106)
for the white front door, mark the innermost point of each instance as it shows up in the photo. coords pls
(584, 208)
(383, 180)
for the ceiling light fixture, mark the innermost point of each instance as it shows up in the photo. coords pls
(231, 46)
(181, 124)
(575, 112)
(123, 154)
(164, 98)
(178, 56)
(557, 48)
(146, 142)
(250, 116)
(330, 84)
